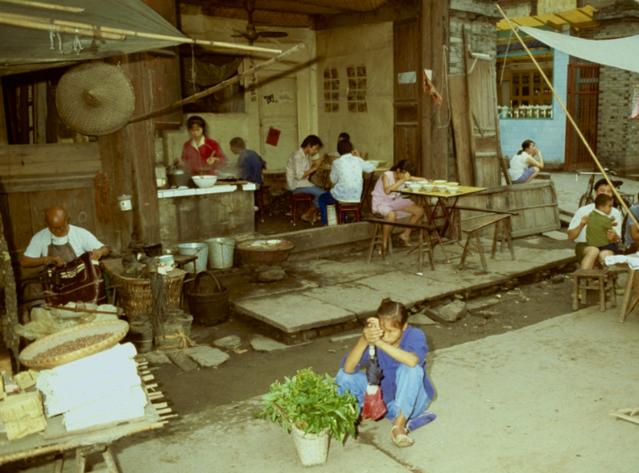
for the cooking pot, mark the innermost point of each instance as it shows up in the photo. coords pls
(178, 177)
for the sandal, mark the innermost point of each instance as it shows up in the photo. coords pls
(426, 418)
(401, 440)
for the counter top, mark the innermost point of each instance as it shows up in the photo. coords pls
(216, 189)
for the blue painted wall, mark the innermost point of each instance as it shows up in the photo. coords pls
(548, 133)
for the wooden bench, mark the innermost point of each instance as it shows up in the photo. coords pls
(424, 244)
(503, 233)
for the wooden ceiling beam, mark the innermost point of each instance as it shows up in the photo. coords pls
(392, 10)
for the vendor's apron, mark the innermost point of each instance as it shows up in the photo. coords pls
(79, 280)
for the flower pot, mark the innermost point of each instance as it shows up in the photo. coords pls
(312, 449)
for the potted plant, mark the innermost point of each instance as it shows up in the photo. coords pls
(309, 406)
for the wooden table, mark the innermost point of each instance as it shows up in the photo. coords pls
(55, 439)
(444, 205)
(630, 296)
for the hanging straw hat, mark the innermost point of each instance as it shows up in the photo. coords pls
(95, 98)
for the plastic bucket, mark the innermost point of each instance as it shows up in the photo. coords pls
(208, 300)
(201, 250)
(312, 449)
(221, 252)
(141, 334)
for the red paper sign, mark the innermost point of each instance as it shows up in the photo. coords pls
(273, 136)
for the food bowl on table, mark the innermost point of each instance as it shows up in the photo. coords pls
(204, 181)
(264, 250)
(413, 186)
(453, 186)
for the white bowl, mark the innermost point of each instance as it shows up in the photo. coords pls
(204, 181)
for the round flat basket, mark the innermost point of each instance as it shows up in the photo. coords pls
(73, 343)
(264, 251)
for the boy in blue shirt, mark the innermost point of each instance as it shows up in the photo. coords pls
(250, 163)
(401, 353)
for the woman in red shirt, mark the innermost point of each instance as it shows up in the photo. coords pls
(200, 154)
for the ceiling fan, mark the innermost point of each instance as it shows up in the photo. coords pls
(251, 33)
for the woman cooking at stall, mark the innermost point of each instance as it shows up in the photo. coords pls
(200, 154)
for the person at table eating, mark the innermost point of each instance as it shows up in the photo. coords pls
(299, 168)
(389, 203)
(200, 154)
(526, 164)
(346, 176)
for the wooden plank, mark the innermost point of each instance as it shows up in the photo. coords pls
(535, 203)
(436, 155)
(59, 152)
(4, 139)
(90, 167)
(461, 130)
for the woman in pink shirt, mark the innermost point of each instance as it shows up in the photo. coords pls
(391, 205)
(200, 154)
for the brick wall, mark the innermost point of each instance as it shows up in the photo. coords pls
(617, 136)
(482, 37)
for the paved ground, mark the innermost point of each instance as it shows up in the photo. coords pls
(344, 289)
(527, 401)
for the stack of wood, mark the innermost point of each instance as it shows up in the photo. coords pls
(100, 389)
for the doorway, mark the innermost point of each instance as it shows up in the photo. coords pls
(583, 105)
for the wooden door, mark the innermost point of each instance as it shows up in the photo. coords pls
(583, 103)
(482, 91)
(278, 109)
(407, 121)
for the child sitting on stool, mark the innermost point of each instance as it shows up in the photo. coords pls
(600, 223)
(401, 353)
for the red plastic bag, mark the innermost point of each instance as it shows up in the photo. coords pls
(374, 406)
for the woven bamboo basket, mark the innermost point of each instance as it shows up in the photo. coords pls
(134, 295)
(73, 343)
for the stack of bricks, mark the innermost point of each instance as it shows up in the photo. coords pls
(617, 135)
(478, 18)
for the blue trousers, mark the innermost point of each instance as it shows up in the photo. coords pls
(314, 191)
(325, 200)
(410, 396)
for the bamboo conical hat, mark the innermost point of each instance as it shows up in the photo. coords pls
(95, 98)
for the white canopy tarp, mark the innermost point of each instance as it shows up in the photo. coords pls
(621, 52)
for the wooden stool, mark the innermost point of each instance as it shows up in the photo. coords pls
(377, 242)
(297, 200)
(502, 233)
(600, 280)
(424, 245)
(346, 208)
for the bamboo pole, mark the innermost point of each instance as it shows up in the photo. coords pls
(46, 6)
(107, 32)
(217, 87)
(572, 121)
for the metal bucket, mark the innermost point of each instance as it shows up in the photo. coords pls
(201, 250)
(221, 252)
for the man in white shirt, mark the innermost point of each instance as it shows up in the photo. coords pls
(60, 243)
(298, 170)
(587, 255)
(346, 176)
